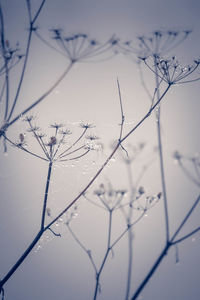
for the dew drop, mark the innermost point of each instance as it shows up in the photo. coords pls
(74, 215)
(38, 248)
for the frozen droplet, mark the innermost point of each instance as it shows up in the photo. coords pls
(38, 248)
(74, 215)
(112, 159)
(57, 224)
(21, 117)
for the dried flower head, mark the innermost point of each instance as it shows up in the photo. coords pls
(110, 197)
(86, 125)
(79, 47)
(158, 43)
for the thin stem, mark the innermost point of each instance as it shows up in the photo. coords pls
(122, 112)
(185, 218)
(161, 157)
(85, 189)
(22, 75)
(164, 252)
(31, 23)
(130, 234)
(130, 261)
(83, 247)
(22, 148)
(147, 114)
(189, 175)
(186, 236)
(109, 157)
(151, 272)
(21, 259)
(39, 100)
(46, 195)
(40, 142)
(38, 11)
(6, 63)
(105, 256)
(76, 141)
(128, 227)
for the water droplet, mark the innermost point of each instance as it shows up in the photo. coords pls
(74, 215)
(113, 159)
(5, 154)
(39, 247)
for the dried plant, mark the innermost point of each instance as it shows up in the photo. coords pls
(60, 145)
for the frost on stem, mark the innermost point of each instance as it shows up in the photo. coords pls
(66, 218)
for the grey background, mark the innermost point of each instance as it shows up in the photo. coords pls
(60, 269)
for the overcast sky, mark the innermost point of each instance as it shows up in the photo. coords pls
(60, 269)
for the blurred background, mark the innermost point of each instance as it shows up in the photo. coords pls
(58, 267)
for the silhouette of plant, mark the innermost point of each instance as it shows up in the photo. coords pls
(60, 146)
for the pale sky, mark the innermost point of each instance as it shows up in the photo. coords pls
(60, 269)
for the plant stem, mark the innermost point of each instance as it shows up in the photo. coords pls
(36, 239)
(46, 195)
(5, 127)
(130, 261)
(105, 256)
(130, 233)
(151, 272)
(164, 251)
(21, 259)
(161, 155)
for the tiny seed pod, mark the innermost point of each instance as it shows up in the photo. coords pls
(52, 141)
(21, 137)
(7, 43)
